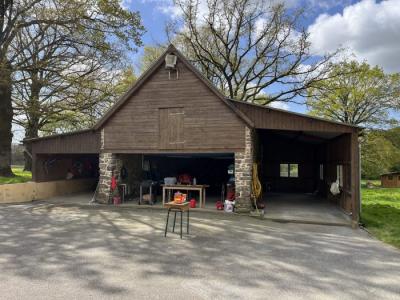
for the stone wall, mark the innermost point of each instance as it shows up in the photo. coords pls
(243, 174)
(108, 163)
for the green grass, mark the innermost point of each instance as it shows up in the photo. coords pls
(375, 182)
(20, 176)
(381, 213)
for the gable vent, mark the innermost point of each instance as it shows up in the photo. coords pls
(170, 61)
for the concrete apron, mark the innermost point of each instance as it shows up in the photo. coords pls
(305, 209)
(279, 208)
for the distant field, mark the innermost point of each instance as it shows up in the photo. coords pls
(381, 212)
(20, 176)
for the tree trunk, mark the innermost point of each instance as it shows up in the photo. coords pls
(28, 157)
(32, 127)
(6, 115)
(30, 132)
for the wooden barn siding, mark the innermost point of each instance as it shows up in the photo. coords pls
(390, 183)
(209, 125)
(86, 142)
(272, 119)
(339, 152)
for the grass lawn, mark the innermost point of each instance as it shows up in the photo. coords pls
(381, 213)
(20, 176)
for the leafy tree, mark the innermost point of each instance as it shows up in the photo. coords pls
(356, 93)
(14, 15)
(150, 55)
(378, 154)
(393, 135)
(106, 96)
(126, 79)
(101, 26)
(249, 48)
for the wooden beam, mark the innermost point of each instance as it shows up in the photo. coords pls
(355, 178)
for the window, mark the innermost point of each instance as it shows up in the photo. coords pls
(284, 170)
(390, 177)
(289, 170)
(321, 172)
(339, 174)
(293, 170)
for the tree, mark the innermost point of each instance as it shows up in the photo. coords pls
(250, 49)
(62, 84)
(106, 94)
(150, 55)
(92, 24)
(356, 93)
(393, 136)
(378, 154)
(125, 81)
(13, 17)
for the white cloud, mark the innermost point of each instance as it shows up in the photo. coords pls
(168, 7)
(126, 4)
(170, 10)
(369, 29)
(280, 105)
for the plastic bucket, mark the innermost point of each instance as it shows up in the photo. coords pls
(192, 203)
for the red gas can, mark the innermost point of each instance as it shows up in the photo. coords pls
(192, 203)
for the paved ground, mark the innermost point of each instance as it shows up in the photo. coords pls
(279, 206)
(303, 207)
(74, 252)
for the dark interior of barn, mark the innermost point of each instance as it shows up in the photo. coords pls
(301, 166)
(199, 169)
(67, 166)
(290, 161)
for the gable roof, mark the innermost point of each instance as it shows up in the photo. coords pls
(143, 78)
(391, 173)
(265, 108)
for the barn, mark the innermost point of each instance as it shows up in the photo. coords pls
(390, 180)
(175, 121)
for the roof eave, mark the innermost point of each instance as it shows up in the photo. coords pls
(58, 135)
(296, 114)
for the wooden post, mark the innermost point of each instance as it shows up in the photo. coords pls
(355, 178)
(34, 167)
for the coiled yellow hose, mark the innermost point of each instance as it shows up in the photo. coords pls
(257, 188)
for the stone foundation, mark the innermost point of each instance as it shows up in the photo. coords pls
(243, 174)
(108, 162)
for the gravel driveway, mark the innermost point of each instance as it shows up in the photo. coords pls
(73, 252)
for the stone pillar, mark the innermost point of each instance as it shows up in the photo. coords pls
(108, 162)
(243, 174)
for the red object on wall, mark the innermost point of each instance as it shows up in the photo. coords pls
(192, 203)
(113, 183)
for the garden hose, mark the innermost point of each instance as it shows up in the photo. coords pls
(256, 185)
